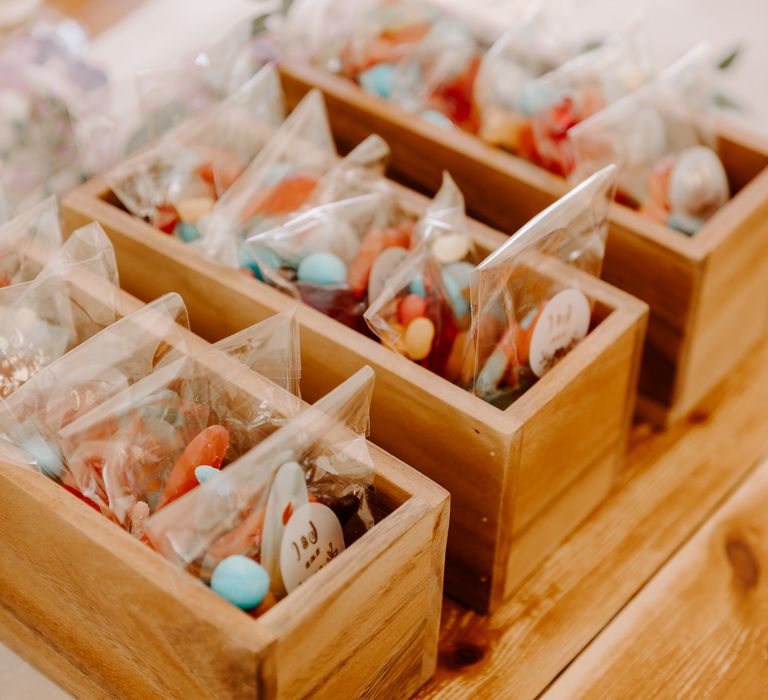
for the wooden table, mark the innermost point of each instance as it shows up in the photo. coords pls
(661, 592)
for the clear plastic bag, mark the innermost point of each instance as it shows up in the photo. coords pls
(278, 182)
(175, 184)
(663, 143)
(140, 449)
(557, 101)
(326, 255)
(524, 320)
(73, 297)
(424, 304)
(293, 503)
(97, 369)
(26, 239)
(537, 43)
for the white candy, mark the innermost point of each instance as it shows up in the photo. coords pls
(698, 184)
(450, 248)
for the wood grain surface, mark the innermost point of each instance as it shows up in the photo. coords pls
(671, 483)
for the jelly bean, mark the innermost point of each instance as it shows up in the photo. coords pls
(208, 447)
(658, 185)
(186, 232)
(493, 371)
(46, 456)
(418, 338)
(698, 184)
(192, 209)
(377, 80)
(246, 537)
(165, 218)
(450, 248)
(222, 171)
(501, 128)
(283, 198)
(417, 286)
(242, 581)
(205, 472)
(256, 258)
(684, 224)
(322, 268)
(535, 97)
(455, 363)
(410, 307)
(459, 304)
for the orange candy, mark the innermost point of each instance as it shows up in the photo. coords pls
(269, 602)
(283, 198)
(410, 307)
(208, 447)
(245, 537)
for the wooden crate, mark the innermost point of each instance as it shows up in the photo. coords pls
(105, 616)
(701, 290)
(516, 493)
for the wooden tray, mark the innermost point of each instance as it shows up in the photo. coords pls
(516, 493)
(105, 616)
(701, 290)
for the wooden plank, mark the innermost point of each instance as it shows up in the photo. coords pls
(669, 485)
(698, 629)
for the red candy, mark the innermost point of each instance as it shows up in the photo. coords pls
(283, 198)
(411, 307)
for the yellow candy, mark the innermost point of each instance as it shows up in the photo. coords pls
(193, 209)
(450, 248)
(418, 338)
(455, 364)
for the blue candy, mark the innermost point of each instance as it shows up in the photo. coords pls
(186, 232)
(322, 268)
(256, 258)
(458, 302)
(378, 80)
(205, 472)
(242, 581)
(417, 287)
(535, 97)
(461, 272)
(437, 118)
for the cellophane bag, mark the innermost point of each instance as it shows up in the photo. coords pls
(422, 310)
(662, 139)
(525, 320)
(73, 297)
(26, 240)
(560, 99)
(140, 450)
(327, 255)
(292, 504)
(44, 80)
(541, 40)
(175, 183)
(278, 182)
(97, 369)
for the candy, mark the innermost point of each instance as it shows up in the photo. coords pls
(269, 602)
(419, 335)
(411, 307)
(385, 264)
(459, 304)
(455, 363)
(450, 248)
(165, 218)
(698, 184)
(208, 447)
(433, 116)
(255, 258)
(193, 209)
(283, 198)
(461, 273)
(242, 581)
(186, 232)
(377, 80)
(322, 268)
(205, 472)
(376, 241)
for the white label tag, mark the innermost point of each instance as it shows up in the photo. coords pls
(312, 537)
(562, 322)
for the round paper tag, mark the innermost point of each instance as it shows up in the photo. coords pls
(312, 537)
(562, 322)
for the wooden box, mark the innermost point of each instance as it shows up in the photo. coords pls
(105, 616)
(515, 492)
(708, 294)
